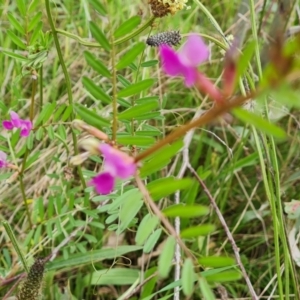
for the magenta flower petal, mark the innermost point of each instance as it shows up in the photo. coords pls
(3, 162)
(15, 119)
(185, 61)
(103, 183)
(8, 125)
(170, 61)
(26, 127)
(117, 163)
(194, 52)
(173, 66)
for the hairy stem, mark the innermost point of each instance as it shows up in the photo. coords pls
(68, 83)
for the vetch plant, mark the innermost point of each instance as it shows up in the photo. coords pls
(125, 114)
(185, 62)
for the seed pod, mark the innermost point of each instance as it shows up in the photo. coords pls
(171, 38)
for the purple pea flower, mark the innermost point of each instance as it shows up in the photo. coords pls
(16, 122)
(117, 164)
(3, 162)
(185, 63)
(186, 60)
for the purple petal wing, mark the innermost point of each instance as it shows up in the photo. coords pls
(194, 51)
(26, 127)
(170, 61)
(15, 119)
(103, 183)
(8, 125)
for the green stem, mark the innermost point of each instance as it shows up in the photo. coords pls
(24, 197)
(41, 88)
(114, 95)
(272, 180)
(33, 92)
(116, 42)
(68, 83)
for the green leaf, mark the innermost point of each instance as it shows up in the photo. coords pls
(16, 39)
(33, 22)
(216, 261)
(115, 276)
(67, 113)
(122, 199)
(45, 114)
(99, 36)
(136, 88)
(185, 211)
(187, 277)
(195, 231)
(32, 158)
(62, 132)
(286, 95)
(137, 110)
(259, 123)
(91, 117)
(166, 257)
(58, 112)
(33, 6)
(78, 259)
(224, 276)
(36, 32)
(29, 140)
(98, 7)
(129, 209)
(206, 290)
(14, 55)
(130, 55)
(15, 23)
(149, 286)
(51, 133)
(95, 90)
(148, 133)
(22, 7)
(149, 116)
(146, 227)
(165, 186)
(149, 63)
(96, 64)
(39, 134)
(127, 26)
(160, 158)
(152, 240)
(245, 58)
(135, 140)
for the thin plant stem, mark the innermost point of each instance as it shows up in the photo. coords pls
(22, 187)
(271, 179)
(41, 94)
(228, 233)
(21, 175)
(32, 103)
(68, 83)
(114, 94)
(116, 42)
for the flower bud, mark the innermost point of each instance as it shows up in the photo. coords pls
(171, 38)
